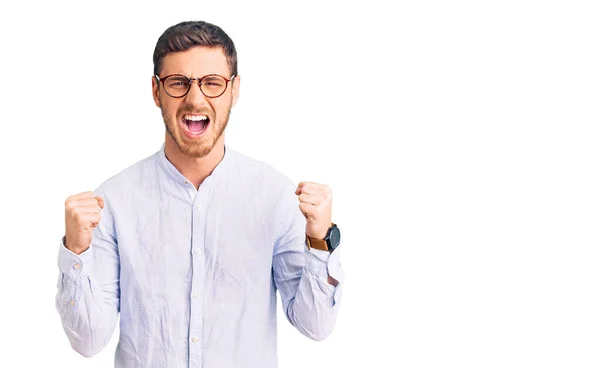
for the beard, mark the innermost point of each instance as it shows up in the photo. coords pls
(196, 148)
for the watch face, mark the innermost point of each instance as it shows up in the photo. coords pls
(334, 238)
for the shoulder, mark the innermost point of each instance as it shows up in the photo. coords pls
(129, 177)
(260, 174)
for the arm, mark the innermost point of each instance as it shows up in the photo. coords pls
(88, 289)
(310, 302)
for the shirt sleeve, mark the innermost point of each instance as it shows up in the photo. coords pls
(88, 289)
(309, 302)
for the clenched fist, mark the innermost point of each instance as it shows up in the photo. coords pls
(315, 205)
(82, 215)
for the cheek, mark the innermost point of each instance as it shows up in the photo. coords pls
(220, 108)
(169, 109)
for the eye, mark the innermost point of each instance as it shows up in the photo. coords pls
(177, 82)
(213, 82)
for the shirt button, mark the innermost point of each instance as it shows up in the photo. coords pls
(194, 339)
(199, 207)
(72, 303)
(76, 266)
(195, 295)
(197, 251)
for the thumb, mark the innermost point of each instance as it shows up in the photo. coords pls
(100, 201)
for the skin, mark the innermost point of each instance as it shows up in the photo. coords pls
(195, 157)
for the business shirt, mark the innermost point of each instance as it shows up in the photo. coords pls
(194, 273)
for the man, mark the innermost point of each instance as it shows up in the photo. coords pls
(190, 244)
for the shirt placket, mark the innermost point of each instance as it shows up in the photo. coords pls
(196, 305)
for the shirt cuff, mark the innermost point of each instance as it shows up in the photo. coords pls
(323, 263)
(73, 265)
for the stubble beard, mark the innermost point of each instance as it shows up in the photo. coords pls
(196, 148)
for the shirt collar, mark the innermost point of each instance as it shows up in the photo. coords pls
(219, 171)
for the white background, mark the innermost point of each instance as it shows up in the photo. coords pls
(460, 139)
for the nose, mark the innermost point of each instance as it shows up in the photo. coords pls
(195, 95)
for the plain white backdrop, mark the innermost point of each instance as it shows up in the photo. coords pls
(460, 138)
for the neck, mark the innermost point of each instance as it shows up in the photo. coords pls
(195, 169)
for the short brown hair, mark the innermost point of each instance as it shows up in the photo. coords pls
(186, 35)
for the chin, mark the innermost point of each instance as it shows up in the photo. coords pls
(196, 149)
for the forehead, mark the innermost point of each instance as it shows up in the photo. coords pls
(196, 62)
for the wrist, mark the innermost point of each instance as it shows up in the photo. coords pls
(75, 249)
(327, 243)
(319, 234)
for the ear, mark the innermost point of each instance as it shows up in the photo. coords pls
(155, 91)
(235, 90)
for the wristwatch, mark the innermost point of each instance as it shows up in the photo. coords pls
(329, 243)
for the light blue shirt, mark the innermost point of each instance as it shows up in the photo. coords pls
(194, 273)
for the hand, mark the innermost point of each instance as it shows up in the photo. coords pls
(315, 205)
(82, 215)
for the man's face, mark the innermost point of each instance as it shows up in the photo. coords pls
(195, 122)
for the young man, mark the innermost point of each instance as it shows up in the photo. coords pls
(190, 244)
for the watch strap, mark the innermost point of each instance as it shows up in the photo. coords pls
(319, 244)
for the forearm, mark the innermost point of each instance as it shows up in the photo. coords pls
(314, 307)
(88, 310)
(309, 280)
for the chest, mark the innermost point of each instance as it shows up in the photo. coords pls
(177, 237)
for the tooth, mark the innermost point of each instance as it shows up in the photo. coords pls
(195, 117)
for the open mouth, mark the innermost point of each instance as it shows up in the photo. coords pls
(195, 124)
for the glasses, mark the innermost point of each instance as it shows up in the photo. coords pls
(178, 85)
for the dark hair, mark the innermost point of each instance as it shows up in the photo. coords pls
(186, 35)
